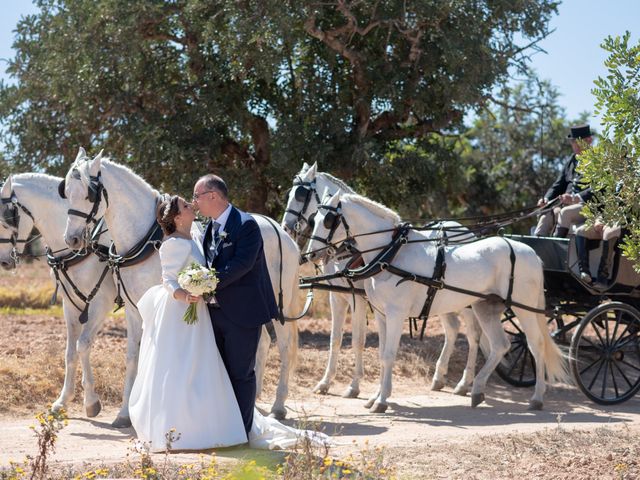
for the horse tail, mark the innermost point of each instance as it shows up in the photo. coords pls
(555, 361)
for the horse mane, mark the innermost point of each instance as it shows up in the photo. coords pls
(137, 179)
(340, 183)
(36, 176)
(375, 207)
(139, 182)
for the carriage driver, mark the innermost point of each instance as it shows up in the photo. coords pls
(567, 187)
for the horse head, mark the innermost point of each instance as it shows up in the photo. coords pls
(14, 227)
(82, 187)
(330, 228)
(302, 204)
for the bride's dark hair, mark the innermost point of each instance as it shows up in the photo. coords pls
(166, 212)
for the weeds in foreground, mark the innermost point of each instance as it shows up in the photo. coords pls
(308, 461)
(51, 422)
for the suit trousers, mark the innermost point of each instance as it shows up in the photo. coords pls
(570, 215)
(547, 222)
(238, 346)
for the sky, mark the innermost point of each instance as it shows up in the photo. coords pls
(573, 58)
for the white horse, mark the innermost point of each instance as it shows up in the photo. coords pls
(129, 214)
(37, 194)
(483, 267)
(302, 205)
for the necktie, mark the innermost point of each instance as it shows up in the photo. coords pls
(215, 239)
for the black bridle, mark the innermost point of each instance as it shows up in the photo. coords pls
(95, 192)
(332, 220)
(303, 192)
(11, 217)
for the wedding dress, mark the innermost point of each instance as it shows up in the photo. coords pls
(182, 383)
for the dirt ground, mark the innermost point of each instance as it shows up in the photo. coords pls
(425, 434)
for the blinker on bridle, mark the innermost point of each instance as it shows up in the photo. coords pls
(331, 221)
(303, 192)
(95, 192)
(11, 218)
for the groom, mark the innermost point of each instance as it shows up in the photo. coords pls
(232, 245)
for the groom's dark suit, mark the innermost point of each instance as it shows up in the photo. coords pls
(246, 302)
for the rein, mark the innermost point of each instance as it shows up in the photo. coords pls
(60, 265)
(141, 251)
(309, 300)
(382, 262)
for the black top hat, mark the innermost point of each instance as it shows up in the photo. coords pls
(580, 131)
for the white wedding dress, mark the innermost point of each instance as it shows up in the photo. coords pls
(182, 383)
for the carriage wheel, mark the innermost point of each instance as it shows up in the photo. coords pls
(517, 368)
(605, 353)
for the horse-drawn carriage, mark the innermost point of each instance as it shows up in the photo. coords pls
(597, 327)
(603, 351)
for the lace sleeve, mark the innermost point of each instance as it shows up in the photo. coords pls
(174, 253)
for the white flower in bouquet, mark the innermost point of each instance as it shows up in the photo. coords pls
(200, 281)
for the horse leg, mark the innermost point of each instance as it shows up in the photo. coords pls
(382, 335)
(358, 339)
(261, 359)
(97, 313)
(287, 336)
(451, 326)
(488, 315)
(74, 327)
(391, 344)
(134, 335)
(535, 341)
(473, 339)
(339, 306)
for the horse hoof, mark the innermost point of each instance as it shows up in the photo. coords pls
(437, 385)
(56, 407)
(321, 388)
(378, 408)
(121, 422)
(476, 399)
(535, 405)
(461, 390)
(369, 403)
(93, 410)
(351, 393)
(278, 414)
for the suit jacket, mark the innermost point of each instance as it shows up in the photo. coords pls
(568, 181)
(244, 290)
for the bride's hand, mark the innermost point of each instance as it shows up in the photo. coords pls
(185, 296)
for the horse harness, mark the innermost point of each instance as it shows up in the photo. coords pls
(382, 262)
(141, 251)
(11, 216)
(60, 265)
(138, 253)
(95, 192)
(303, 192)
(309, 299)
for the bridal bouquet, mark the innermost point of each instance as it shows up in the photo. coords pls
(197, 280)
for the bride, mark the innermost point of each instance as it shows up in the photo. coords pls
(182, 383)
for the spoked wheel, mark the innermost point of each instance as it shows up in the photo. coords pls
(605, 353)
(517, 368)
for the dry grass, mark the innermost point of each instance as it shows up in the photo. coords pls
(32, 372)
(29, 286)
(603, 453)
